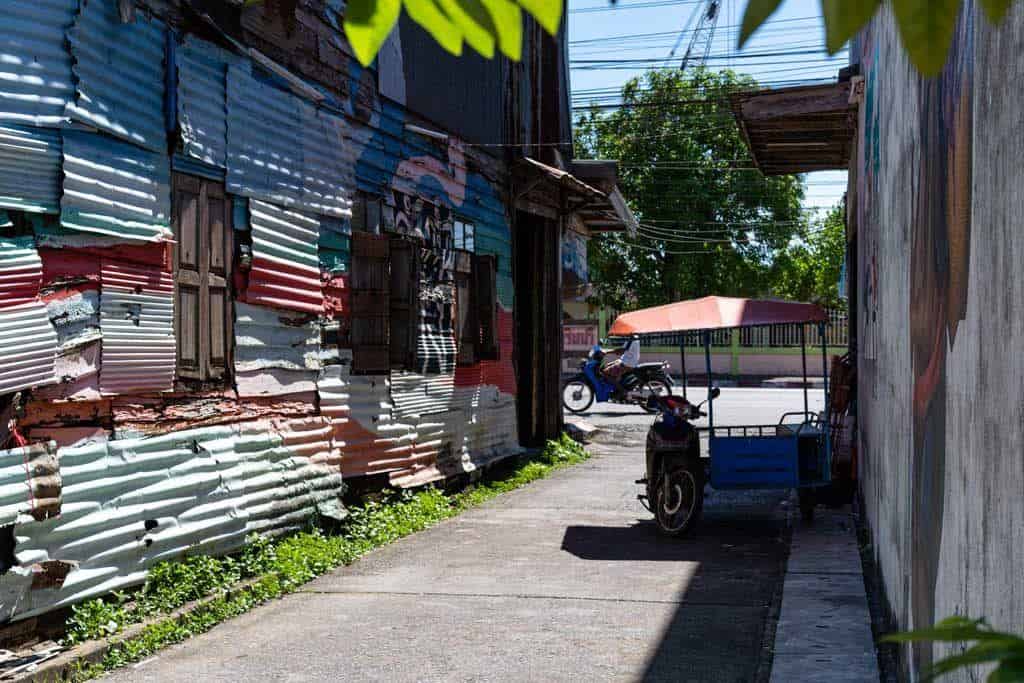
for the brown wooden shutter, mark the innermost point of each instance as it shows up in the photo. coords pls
(467, 329)
(202, 264)
(485, 273)
(370, 285)
(405, 303)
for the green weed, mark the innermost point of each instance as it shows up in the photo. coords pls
(281, 566)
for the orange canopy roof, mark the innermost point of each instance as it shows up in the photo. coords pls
(714, 313)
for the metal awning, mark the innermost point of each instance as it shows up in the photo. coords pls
(589, 188)
(798, 130)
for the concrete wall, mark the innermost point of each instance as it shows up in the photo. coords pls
(941, 326)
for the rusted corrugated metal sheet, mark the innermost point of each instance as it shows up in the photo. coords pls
(283, 150)
(74, 313)
(29, 168)
(28, 342)
(360, 411)
(276, 351)
(137, 321)
(21, 271)
(35, 66)
(129, 504)
(114, 188)
(119, 70)
(285, 267)
(202, 99)
(30, 485)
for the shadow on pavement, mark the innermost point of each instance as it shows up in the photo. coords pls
(724, 619)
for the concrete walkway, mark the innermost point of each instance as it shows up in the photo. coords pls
(563, 580)
(824, 630)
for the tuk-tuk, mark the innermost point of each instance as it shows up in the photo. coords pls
(795, 452)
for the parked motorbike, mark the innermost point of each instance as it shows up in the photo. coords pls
(676, 474)
(637, 385)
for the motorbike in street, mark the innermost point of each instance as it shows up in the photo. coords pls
(676, 474)
(636, 386)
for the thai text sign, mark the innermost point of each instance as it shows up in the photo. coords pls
(579, 337)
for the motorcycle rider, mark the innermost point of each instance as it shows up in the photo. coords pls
(628, 359)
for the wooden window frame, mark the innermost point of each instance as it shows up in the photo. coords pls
(196, 270)
(404, 303)
(467, 329)
(370, 282)
(485, 280)
(368, 213)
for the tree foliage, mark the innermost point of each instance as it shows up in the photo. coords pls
(710, 222)
(926, 26)
(482, 24)
(809, 269)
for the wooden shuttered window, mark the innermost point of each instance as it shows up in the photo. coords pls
(467, 330)
(485, 275)
(203, 315)
(370, 284)
(404, 303)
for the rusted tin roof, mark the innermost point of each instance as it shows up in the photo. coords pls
(119, 69)
(21, 271)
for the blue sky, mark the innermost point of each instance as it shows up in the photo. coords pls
(795, 27)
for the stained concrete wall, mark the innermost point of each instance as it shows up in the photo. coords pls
(941, 325)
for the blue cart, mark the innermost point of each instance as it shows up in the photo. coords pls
(794, 452)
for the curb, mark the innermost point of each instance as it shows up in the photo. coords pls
(63, 666)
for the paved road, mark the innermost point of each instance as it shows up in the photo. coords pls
(563, 580)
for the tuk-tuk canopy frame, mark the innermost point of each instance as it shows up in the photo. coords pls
(714, 313)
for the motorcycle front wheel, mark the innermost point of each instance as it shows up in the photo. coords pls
(577, 396)
(679, 498)
(653, 387)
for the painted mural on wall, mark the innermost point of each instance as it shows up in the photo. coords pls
(160, 397)
(940, 260)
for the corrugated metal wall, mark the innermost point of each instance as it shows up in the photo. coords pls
(127, 504)
(137, 323)
(35, 67)
(115, 188)
(29, 168)
(119, 70)
(285, 266)
(269, 448)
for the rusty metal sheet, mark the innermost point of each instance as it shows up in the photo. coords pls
(286, 266)
(30, 161)
(276, 351)
(30, 484)
(137, 322)
(131, 503)
(114, 188)
(359, 408)
(36, 83)
(21, 271)
(119, 70)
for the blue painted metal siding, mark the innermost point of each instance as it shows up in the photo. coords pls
(202, 99)
(30, 169)
(114, 188)
(120, 74)
(35, 67)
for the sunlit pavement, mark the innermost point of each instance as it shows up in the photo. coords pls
(565, 579)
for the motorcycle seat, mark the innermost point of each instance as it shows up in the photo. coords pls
(648, 366)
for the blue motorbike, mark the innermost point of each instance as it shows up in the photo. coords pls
(636, 386)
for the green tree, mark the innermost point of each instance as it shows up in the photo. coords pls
(710, 222)
(809, 269)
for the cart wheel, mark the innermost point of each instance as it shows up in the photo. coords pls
(678, 497)
(808, 501)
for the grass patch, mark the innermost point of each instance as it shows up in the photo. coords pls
(269, 569)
